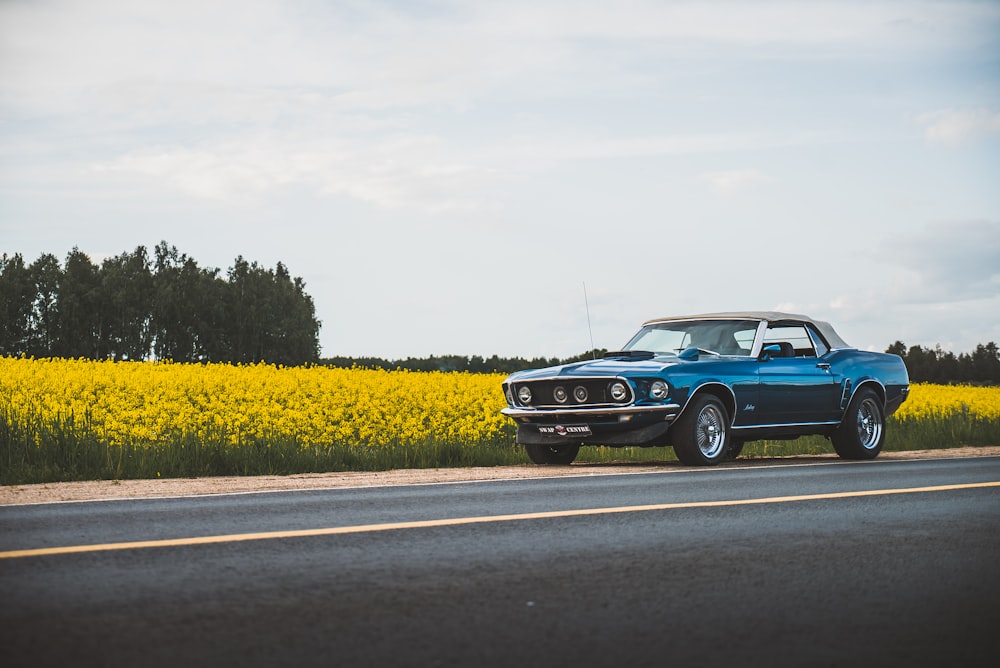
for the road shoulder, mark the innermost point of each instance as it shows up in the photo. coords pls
(135, 489)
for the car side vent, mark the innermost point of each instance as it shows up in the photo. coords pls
(846, 396)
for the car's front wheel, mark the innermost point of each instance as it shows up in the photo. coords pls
(861, 435)
(734, 449)
(701, 434)
(552, 454)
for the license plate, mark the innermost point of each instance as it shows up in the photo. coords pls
(565, 430)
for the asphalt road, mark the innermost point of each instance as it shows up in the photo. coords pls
(820, 565)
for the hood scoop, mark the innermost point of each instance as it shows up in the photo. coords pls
(630, 355)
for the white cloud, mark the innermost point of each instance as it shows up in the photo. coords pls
(403, 170)
(733, 180)
(764, 27)
(941, 285)
(381, 55)
(204, 97)
(409, 171)
(947, 262)
(953, 127)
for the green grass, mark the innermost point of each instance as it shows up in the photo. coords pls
(51, 453)
(40, 453)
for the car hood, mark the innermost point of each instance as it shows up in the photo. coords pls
(615, 366)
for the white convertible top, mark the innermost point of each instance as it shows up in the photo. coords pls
(824, 328)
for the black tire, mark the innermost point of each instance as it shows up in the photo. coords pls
(560, 455)
(861, 433)
(734, 449)
(701, 434)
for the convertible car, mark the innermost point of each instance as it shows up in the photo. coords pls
(707, 384)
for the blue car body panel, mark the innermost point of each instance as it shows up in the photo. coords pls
(785, 376)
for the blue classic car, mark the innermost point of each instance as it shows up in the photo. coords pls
(707, 384)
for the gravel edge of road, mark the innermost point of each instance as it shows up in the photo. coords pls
(94, 490)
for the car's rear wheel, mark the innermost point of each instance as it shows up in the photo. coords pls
(701, 434)
(861, 434)
(552, 454)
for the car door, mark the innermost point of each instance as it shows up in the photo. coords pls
(796, 386)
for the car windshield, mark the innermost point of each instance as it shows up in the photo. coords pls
(725, 337)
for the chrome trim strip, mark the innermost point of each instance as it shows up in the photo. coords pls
(617, 410)
(786, 424)
(758, 340)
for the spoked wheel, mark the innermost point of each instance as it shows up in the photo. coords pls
(701, 433)
(861, 435)
(552, 454)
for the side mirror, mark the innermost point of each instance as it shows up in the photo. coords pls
(769, 351)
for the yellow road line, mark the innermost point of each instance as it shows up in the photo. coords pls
(423, 524)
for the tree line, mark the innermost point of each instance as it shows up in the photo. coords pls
(471, 364)
(133, 307)
(927, 365)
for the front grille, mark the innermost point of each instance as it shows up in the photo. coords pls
(597, 392)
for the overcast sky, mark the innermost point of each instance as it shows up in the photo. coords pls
(447, 176)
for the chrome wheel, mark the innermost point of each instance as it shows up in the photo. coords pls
(700, 436)
(869, 421)
(711, 431)
(861, 433)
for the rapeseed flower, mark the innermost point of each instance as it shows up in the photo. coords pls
(148, 403)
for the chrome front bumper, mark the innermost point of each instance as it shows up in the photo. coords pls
(670, 411)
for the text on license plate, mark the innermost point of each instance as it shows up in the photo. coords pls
(565, 430)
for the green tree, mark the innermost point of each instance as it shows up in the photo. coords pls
(79, 307)
(129, 309)
(296, 333)
(176, 298)
(897, 348)
(46, 274)
(245, 308)
(986, 363)
(188, 314)
(272, 318)
(213, 331)
(127, 286)
(17, 296)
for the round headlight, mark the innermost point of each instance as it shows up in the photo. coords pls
(580, 394)
(618, 391)
(560, 394)
(659, 390)
(524, 394)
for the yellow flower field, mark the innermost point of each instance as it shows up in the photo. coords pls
(144, 403)
(81, 419)
(943, 401)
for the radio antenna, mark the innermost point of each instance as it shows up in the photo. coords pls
(586, 302)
